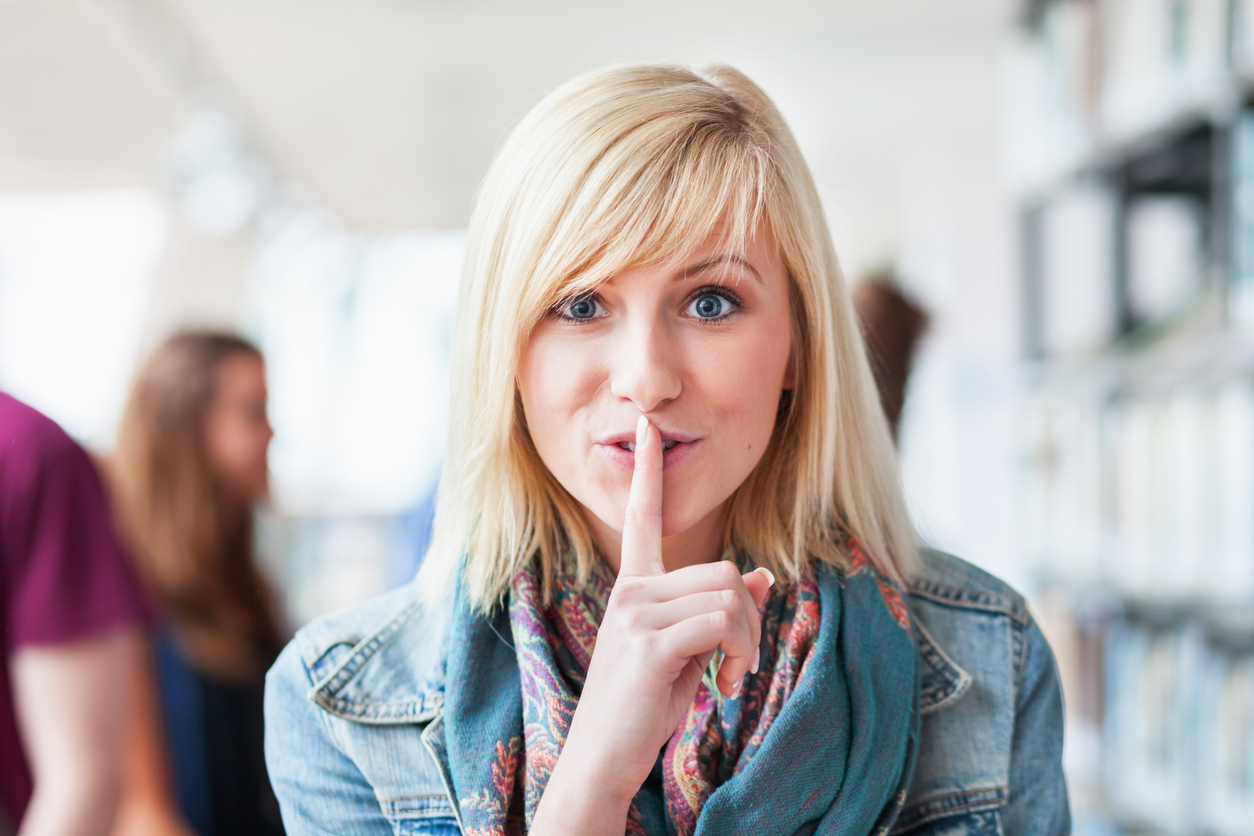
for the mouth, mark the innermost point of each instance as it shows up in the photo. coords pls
(620, 448)
(630, 446)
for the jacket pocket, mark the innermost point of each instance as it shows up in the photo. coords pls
(420, 815)
(427, 827)
(983, 823)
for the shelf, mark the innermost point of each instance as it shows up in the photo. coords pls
(1105, 153)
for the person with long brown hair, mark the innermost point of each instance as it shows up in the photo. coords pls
(190, 466)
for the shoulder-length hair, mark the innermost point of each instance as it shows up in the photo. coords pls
(635, 165)
(193, 547)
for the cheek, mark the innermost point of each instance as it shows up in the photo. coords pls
(260, 446)
(557, 384)
(237, 449)
(745, 380)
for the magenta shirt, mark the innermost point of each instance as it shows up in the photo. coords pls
(63, 573)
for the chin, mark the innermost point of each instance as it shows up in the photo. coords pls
(679, 520)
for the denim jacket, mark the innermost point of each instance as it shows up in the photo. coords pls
(355, 735)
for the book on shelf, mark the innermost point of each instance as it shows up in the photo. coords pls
(1166, 254)
(1079, 303)
(1150, 495)
(1179, 727)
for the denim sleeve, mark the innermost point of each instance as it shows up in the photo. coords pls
(321, 792)
(1037, 802)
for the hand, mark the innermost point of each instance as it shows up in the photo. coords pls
(658, 635)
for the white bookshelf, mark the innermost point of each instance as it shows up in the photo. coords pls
(1130, 145)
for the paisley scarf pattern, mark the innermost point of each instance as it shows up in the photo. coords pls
(829, 629)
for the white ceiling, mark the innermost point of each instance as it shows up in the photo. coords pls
(388, 111)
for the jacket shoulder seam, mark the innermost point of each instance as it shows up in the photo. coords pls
(363, 650)
(969, 599)
(325, 691)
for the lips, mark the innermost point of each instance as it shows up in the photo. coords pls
(620, 448)
(630, 446)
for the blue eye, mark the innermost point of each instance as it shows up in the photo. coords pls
(584, 307)
(709, 306)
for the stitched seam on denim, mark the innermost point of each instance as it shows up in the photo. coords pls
(967, 599)
(428, 741)
(960, 799)
(325, 720)
(321, 666)
(1020, 647)
(973, 807)
(365, 650)
(381, 714)
(417, 807)
(409, 712)
(956, 679)
(983, 798)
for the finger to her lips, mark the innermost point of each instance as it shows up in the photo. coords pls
(642, 521)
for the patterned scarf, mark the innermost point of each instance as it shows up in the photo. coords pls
(828, 725)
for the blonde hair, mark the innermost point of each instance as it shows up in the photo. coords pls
(636, 165)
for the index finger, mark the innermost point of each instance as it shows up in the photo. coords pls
(642, 521)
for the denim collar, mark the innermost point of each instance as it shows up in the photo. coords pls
(394, 675)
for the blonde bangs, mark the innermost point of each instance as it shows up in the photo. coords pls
(649, 199)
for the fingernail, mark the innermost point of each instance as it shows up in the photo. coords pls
(757, 657)
(641, 426)
(770, 579)
(740, 684)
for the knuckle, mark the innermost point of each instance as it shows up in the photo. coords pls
(624, 594)
(633, 593)
(649, 644)
(727, 572)
(719, 620)
(729, 600)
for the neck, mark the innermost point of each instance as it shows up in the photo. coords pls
(699, 543)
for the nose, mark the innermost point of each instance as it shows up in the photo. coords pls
(644, 368)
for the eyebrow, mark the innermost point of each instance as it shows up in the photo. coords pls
(717, 260)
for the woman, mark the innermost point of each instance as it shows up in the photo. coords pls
(190, 467)
(673, 587)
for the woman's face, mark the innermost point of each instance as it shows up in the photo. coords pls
(237, 431)
(701, 348)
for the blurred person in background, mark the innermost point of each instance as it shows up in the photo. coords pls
(892, 326)
(189, 470)
(72, 614)
(673, 586)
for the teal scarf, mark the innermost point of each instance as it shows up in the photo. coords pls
(821, 740)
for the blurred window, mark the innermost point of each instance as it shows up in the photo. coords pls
(75, 276)
(356, 333)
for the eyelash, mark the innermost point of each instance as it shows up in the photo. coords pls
(722, 291)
